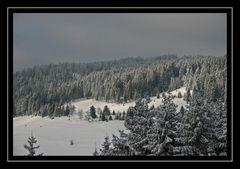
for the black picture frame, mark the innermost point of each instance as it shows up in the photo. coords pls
(9, 7)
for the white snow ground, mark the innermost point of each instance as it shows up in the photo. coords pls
(85, 104)
(54, 135)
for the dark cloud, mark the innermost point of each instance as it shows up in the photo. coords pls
(52, 38)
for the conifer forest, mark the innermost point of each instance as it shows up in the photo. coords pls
(189, 122)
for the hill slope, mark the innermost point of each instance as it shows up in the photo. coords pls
(54, 135)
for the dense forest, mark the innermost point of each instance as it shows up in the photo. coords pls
(43, 90)
(198, 130)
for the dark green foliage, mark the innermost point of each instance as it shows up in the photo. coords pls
(31, 148)
(182, 111)
(93, 112)
(67, 111)
(103, 117)
(113, 113)
(106, 111)
(110, 117)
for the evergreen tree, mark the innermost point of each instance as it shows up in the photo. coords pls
(202, 127)
(104, 151)
(182, 110)
(93, 112)
(198, 130)
(121, 146)
(103, 117)
(123, 115)
(161, 135)
(124, 79)
(31, 148)
(95, 153)
(211, 89)
(106, 111)
(138, 121)
(179, 95)
(187, 96)
(67, 111)
(116, 116)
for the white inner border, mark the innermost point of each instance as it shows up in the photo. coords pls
(123, 160)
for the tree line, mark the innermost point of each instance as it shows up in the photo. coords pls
(101, 115)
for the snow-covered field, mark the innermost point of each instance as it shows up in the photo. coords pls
(85, 104)
(54, 135)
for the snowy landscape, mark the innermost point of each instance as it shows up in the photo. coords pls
(58, 132)
(170, 108)
(54, 136)
(120, 84)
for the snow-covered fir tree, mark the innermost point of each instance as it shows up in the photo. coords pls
(105, 150)
(162, 133)
(200, 129)
(31, 148)
(93, 112)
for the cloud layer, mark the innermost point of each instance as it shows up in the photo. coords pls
(52, 38)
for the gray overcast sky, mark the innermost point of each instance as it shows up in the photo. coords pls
(53, 38)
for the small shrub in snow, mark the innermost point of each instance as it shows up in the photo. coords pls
(30, 147)
(80, 114)
(88, 116)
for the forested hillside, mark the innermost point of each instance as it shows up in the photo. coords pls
(198, 130)
(43, 90)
